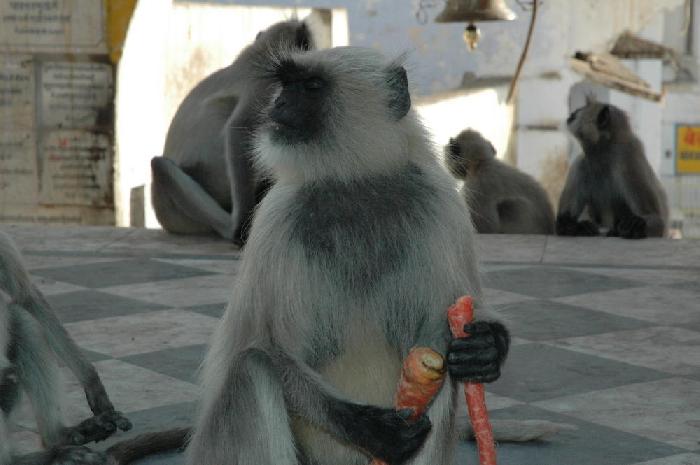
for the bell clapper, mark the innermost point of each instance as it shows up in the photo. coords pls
(471, 36)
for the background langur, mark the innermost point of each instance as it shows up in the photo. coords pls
(31, 336)
(353, 258)
(501, 199)
(612, 181)
(205, 180)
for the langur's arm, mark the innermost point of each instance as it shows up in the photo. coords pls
(64, 346)
(17, 283)
(642, 214)
(572, 203)
(241, 172)
(485, 217)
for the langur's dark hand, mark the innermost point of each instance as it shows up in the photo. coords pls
(478, 357)
(387, 434)
(97, 428)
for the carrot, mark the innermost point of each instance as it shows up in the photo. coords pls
(460, 314)
(422, 375)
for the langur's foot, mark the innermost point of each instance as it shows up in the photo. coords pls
(567, 225)
(587, 228)
(97, 428)
(77, 455)
(632, 227)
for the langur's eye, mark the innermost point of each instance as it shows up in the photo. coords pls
(314, 83)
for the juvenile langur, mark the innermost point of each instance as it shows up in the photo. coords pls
(205, 181)
(31, 337)
(501, 199)
(354, 256)
(611, 182)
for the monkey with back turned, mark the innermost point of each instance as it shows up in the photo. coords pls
(206, 179)
(611, 184)
(501, 199)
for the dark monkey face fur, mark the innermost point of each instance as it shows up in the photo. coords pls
(597, 123)
(338, 112)
(466, 152)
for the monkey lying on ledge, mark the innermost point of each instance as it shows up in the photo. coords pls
(31, 336)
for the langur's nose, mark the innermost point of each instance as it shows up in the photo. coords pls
(570, 118)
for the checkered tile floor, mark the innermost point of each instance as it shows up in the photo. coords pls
(607, 334)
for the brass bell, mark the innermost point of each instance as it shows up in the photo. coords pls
(468, 11)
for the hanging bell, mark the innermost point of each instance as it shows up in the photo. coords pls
(468, 11)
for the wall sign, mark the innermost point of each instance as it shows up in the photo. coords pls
(52, 26)
(687, 149)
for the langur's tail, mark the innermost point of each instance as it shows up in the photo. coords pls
(514, 430)
(126, 452)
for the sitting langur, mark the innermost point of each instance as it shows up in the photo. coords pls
(205, 181)
(501, 199)
(612, 183)
(353, 258)
(31, 337)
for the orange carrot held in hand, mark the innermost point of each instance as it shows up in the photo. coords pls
(421, 378)
(460, 314)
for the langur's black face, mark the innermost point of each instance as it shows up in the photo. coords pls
(465, 154)
(300, 109)
(455, 160)
(289, 33)
(597, 122)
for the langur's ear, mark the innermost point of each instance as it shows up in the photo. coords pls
(603, 119)
(399, 97)
(303, 37)
(493, 149)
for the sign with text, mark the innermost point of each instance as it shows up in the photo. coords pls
(18, 161)
(687, 149)
(54, 26)
(77, 168)
(76, 94)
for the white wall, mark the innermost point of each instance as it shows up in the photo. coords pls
(485, 110)
(170, 47)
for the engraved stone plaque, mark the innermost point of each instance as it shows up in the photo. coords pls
(18, 170)
(77, 168)
(76, 94)
(53, 26)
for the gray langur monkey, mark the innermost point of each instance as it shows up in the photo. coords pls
(353, 258)
(501, 199)
(31, 337)
(611, 182)
(205, 181)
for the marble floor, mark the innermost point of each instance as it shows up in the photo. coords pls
(607, 335)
